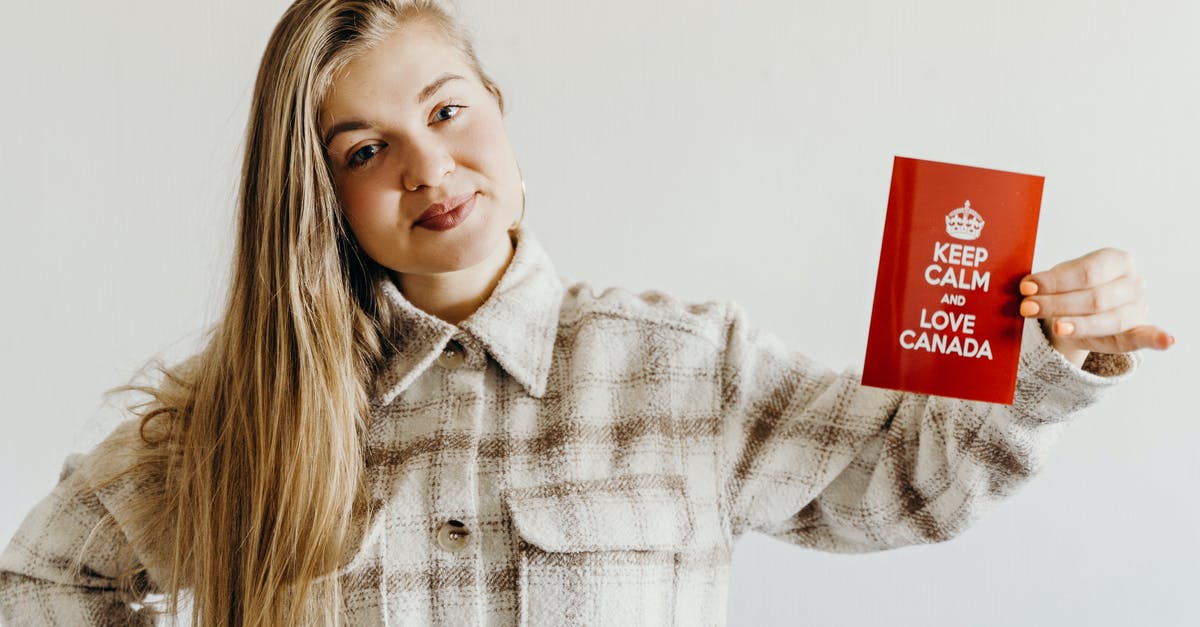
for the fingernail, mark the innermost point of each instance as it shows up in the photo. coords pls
(1028, 288)
(1065, 328)
(1029, 308)
(1172, 341)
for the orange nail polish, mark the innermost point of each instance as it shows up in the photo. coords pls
(1029, 288)
(1065, 328)
(1029, 308)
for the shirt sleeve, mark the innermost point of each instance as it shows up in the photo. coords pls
(38, 583)
(812, 457)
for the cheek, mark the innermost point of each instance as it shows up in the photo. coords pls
(369, 205)
(485, 147)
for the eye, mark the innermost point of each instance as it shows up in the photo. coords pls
(355, 162)
(446, 107)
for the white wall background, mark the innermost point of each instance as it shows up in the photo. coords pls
(709, 149)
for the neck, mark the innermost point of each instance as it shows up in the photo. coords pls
(454, 296)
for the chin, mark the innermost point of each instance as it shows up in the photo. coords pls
(460, 248)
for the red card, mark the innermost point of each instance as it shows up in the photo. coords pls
(956, 243)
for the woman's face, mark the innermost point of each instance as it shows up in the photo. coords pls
(399, 136)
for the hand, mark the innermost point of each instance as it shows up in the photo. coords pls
(1093, 303)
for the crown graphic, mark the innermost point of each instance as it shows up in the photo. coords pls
(964, 222)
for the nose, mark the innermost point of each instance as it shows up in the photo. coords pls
(427, 162)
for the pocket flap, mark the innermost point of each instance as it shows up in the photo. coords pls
(637, 512)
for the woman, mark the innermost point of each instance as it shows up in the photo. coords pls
(404, 415)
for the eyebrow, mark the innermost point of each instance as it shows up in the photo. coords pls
(422, 96)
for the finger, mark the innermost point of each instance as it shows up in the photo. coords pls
(1137, 338)
(1123, 290)
(1109, 322)
(1095, 268)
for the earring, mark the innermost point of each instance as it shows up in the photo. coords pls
(522, 216)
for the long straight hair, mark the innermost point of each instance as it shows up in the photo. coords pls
(248, 456)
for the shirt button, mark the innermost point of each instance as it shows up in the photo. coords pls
(452, 536)
(452, 356)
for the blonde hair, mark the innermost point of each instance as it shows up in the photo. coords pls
(248, 457)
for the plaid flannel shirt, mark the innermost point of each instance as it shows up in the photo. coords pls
(569, 457)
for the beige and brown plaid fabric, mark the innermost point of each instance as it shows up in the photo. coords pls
(601, 454)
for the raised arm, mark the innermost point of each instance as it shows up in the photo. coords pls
(812, 457)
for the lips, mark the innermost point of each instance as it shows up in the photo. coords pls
(438, 208)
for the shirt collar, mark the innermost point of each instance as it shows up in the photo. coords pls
(516, 325)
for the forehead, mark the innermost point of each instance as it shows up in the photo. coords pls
(390, 75)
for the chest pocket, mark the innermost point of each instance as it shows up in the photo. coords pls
(600, 552)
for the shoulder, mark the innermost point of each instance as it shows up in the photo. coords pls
(646, 313)
(126, 473)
